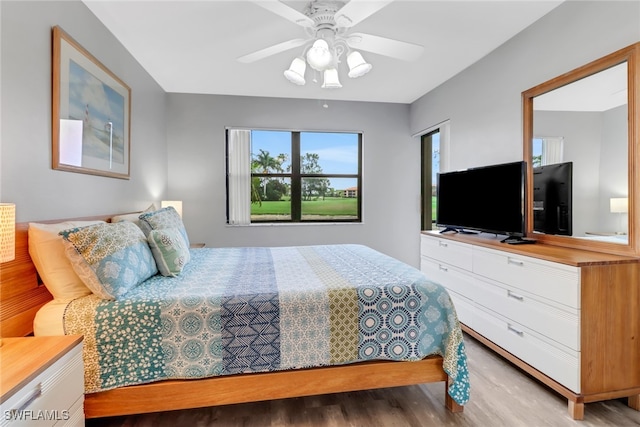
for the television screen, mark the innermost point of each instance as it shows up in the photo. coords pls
(552, 194)
(487, 199)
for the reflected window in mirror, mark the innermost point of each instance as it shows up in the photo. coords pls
(547, 150)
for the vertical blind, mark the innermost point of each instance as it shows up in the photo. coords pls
(239, 176)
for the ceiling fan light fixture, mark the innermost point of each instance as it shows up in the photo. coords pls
(295, 73)
(319, 56)
(331, 80)
(357, 65)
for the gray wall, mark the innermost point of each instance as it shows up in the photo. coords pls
(391, 187)
(484, 101)
(27, 178)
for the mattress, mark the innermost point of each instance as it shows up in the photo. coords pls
(245, 310)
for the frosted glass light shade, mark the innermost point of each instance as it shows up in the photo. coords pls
(331, 80)
(177, 205)
(319, 57)
(357, 65)
(619, 204)
(7, 232)
(295, 73)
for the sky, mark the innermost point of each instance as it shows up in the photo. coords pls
(338, 152)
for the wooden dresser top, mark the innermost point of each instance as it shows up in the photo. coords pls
(560, 254)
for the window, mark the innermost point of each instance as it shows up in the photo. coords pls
(284, 176)
(434, 147)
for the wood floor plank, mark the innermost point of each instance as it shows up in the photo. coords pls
(501, 395)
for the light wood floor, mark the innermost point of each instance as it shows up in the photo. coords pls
(501, 395)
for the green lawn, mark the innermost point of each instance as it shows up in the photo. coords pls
(433, 207)
(329, 206)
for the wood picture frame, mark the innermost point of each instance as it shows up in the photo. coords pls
(91, 113)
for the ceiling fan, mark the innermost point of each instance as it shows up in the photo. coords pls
(327, 24)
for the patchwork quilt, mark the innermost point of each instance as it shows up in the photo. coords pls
(243, 310)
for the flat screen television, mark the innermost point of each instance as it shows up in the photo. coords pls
(552, 199)
(483, 199)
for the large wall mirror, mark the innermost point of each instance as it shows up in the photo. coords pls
(582, 148)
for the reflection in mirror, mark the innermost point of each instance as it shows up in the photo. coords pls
(582, 145)
(579, 155)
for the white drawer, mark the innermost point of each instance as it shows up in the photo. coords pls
(452, 278)
(464, 308)
(76, 415)
(48, 398)
(557, 282)
(560, 325)
(562, 366)
(447, 251)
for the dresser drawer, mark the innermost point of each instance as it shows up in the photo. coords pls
(562, 366)
(561, 324)
(447, 251)
(556, 282)
(464, 308)
(48, 398)
(76, 415)
(452, 278)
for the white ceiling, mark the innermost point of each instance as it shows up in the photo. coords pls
(193, 46)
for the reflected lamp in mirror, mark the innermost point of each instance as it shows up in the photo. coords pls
(619, 205)
(176, 204)
(7, 232)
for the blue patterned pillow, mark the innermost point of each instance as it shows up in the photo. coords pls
(110, 259)
(163, 218)
(170, 250)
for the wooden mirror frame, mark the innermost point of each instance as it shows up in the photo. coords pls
(631, 55)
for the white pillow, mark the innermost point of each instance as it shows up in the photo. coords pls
(48, 255)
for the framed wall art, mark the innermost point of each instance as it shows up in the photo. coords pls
(91, 113)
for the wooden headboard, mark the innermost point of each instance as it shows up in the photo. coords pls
(22, 293)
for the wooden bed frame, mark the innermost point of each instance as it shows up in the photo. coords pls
(22, 293)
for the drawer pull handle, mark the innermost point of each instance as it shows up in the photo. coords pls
(442, 268)
(443, 244)
(515, 296)
(515, 262)
(514, 330)
(36, 393)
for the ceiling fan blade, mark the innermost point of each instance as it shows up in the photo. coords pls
(358, 10)
(384, 46)
(286, 12)
(271, 50)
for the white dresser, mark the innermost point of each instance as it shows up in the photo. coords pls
(566, 316)
(42, 381)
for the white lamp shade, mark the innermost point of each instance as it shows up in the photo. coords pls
(619, 204)
(295, 73)
(7, 232)
(177, 205)
(319, 57)
(357, 65)
(331, 80)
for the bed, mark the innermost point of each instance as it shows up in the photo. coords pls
(247, 324)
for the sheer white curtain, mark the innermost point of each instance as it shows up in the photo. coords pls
(552, 148)
(239, 177)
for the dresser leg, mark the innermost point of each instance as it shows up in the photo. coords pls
(634, 402)
(576, 410)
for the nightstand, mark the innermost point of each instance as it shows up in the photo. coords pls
(42, 381)
(197, 245)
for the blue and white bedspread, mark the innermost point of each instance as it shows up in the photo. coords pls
(241, 310)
